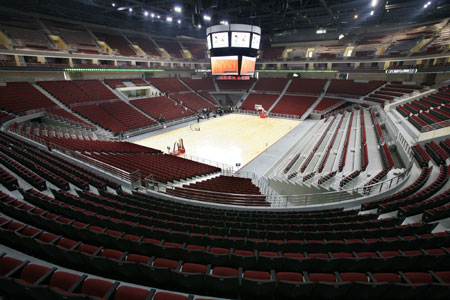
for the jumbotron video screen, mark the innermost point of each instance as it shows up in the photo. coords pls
(233, 49)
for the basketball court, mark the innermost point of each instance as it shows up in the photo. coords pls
(231, 139)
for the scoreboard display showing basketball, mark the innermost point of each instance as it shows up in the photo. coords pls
(233, 49)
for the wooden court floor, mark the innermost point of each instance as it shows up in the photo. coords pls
(231, 139)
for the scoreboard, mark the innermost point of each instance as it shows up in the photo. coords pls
(233, 50)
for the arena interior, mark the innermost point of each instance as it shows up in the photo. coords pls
(129, 171)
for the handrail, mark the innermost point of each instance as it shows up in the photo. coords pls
(435, 126)
(338, 196)
(166, 187)
(213, 163)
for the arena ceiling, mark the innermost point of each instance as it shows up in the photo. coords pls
(274, 16)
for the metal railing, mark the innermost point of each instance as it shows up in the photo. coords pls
(337, 196)
(277, 200)
(213, 163)
(435, 126)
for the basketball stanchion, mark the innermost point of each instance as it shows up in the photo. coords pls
(178, 148)
(263, 115)
(259, 107)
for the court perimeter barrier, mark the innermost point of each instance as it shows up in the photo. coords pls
(223, 166)
(268, 114)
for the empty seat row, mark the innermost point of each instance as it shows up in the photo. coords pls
(420, 155)
(122, 220)
(440, 200)
(99, 145)
(162, 108)
(67, 116)
(193, 101)
(19, 278)
(19, 97)
(266, 100)
(409, 190)
(293, 105)
(424, 194)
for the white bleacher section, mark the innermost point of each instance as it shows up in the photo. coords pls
(306, 144)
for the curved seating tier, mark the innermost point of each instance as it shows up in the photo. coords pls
(223, 189)
(24, 279)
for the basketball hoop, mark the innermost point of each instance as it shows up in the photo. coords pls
(194, 127)
(259, 107)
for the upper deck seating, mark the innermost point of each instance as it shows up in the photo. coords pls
(272, 53)
(145, 44)
(197, 50)
(75, 36)
(171, 46)
(116, 42)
